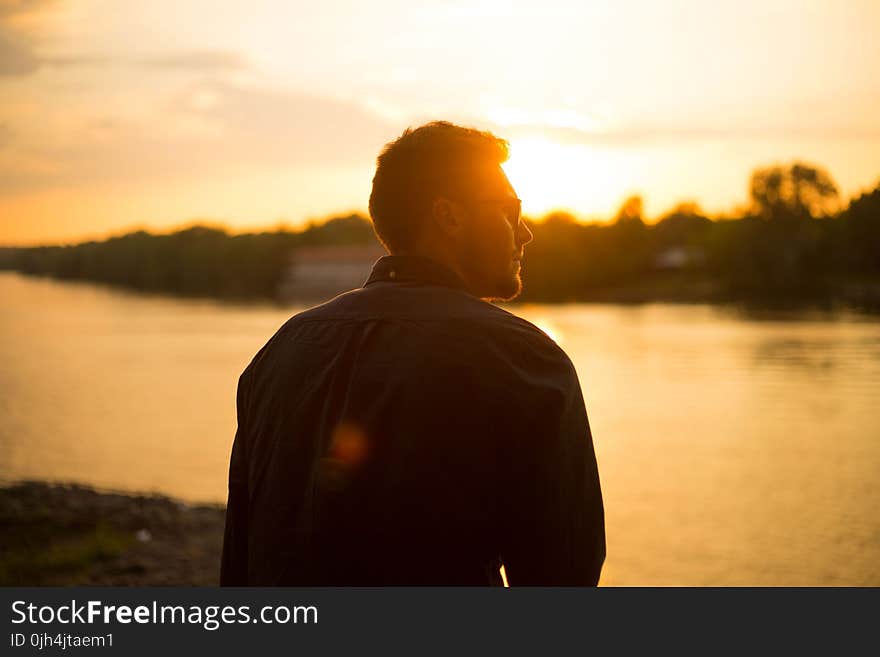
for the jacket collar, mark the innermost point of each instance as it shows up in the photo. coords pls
(414, 269)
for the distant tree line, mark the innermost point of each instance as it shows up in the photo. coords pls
(794, 242)
(196, 261)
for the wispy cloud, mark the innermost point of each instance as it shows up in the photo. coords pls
(283, 125)
(20, 50)
(639, 134)
(205, 128)
(195, 61)
(10, 8)
(17, 56)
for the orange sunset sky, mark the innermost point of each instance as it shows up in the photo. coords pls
(117, 114)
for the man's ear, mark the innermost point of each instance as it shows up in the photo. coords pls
(447, 216)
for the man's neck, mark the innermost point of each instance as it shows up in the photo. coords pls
(439, 257)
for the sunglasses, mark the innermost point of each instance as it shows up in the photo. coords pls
(512, 208)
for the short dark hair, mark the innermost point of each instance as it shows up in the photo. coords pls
(433, 160)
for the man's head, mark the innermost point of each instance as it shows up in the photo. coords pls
(439, 191)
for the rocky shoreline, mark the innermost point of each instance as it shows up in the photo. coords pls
(67, 534)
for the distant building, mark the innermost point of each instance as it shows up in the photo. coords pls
(321, 272)
(680, 257)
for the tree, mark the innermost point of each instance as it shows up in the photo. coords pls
(686, 209)
(862, 224)
(684, 225)
(798, 191)
(630, 211)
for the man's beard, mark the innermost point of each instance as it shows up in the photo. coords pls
(507, 289)
(493, 280)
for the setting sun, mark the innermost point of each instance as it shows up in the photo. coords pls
(548, 176)
(544, 173)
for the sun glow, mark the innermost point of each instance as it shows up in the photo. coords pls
(551, 176)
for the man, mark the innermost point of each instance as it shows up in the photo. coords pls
(410, 432)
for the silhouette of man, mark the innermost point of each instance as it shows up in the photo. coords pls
(411, 432)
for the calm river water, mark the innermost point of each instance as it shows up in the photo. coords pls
(733, 449)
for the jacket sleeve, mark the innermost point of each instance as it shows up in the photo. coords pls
(234, 562)
(553, 524)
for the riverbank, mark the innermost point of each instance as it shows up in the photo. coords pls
(848, 294)
(65, 535)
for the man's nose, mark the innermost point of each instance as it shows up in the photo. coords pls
(523, 234)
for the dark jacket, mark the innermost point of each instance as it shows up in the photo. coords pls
(409, 433)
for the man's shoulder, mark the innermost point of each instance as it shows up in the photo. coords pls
(523, 331)
(458, 337)
(429, 309)
(444, 328)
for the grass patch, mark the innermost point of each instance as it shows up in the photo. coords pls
(66, 555)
